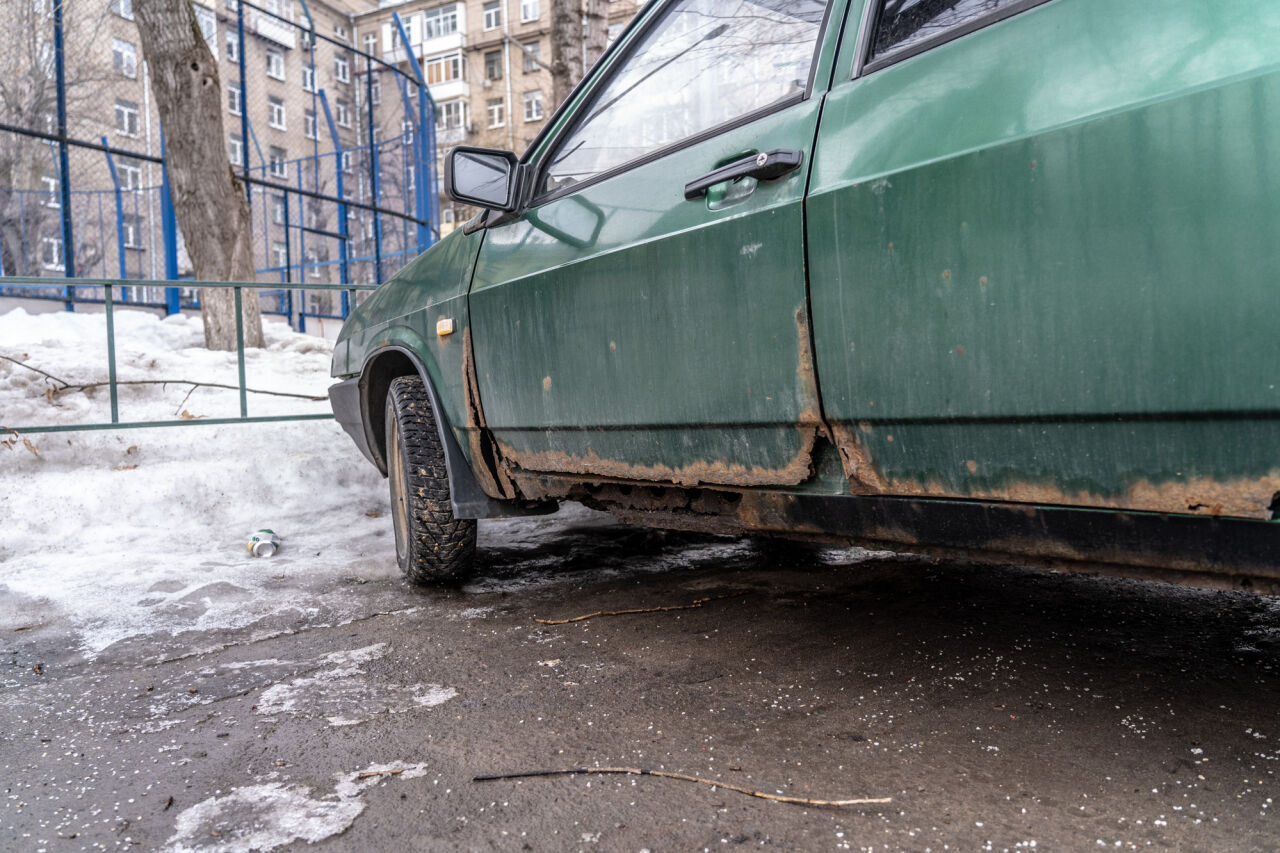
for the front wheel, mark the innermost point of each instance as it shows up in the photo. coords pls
(432, 547)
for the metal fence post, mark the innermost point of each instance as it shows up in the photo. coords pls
(373, 171)
(343, 261)
(111, 353)
(244, 397)
(169, 233)
(427, 204)
(244, 105)
(64, 163)
(115, 182)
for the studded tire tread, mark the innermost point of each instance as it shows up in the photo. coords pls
(440, 549)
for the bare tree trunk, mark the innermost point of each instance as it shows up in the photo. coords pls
(566, 48)
(208, 199)
(597, 30)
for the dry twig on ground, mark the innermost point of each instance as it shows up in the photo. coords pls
(692, 606)
(636, 771)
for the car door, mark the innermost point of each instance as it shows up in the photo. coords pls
(622, 330)
(1043, 251)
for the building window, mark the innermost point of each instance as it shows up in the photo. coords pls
(528, 10)
(275, 113)
(442, 21)
(208, 24)
(279, 253)
(532, 55)
(234, 103)
(124, 57)
(406, 133)
(279, 8)
(51, 253)
(443, 68)
(130, 173)
(275, 63)
(52, 196)
(342, 113)
(308, 78)
(341, 69)
(131, 229)
(277, 209)
(309, 124)
(237, 151)
(492, 14)
(277, 162)
(127, 119)
(346, 165)
(497, 112)
(493, 65)
(370, 42)
(233, 47)
(313, 263)
(375, 88)
(533, 105)
(451, 115)
(340, 32)
(123, 8)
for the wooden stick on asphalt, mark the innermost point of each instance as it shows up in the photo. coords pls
(694, 605)
(636, 771)
(369, 774)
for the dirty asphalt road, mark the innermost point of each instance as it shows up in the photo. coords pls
(1001, 708)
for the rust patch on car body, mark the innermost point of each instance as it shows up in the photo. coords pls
(859, 469)
(716, 472)
(1240, 498)
(485, 459)
(809, 425)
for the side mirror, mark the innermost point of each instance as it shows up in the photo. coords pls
(481, 176)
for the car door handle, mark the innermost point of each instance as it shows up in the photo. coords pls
(765, 166)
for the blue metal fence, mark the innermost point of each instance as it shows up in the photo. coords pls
(347, 201)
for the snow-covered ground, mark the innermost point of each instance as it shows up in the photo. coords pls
(132, 532)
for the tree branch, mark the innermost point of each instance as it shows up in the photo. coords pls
(636, 771)
(65, 383)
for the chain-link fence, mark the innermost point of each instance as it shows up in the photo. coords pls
(335, 148)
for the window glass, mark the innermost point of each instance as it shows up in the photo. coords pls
(441, 21)
(704, 63)
(532, 55)
(904, 23)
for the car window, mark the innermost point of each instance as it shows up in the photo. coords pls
(704, 63)
(903, 24)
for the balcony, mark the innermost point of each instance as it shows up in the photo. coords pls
(272, 30)
(449, 90)
(442, 44)
(450, 136)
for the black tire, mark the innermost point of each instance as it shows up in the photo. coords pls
(432, 547)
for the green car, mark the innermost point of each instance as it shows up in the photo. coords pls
(998, 278)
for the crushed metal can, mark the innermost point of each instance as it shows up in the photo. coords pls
(264, 543)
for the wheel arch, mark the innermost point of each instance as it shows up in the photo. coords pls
(381, 368)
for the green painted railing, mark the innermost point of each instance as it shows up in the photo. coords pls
(108, 285)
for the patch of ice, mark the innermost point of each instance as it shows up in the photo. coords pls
(264, 817)
(430, 695)
(261, 817)
(339, 691)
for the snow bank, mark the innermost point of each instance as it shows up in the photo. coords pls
(135, 532)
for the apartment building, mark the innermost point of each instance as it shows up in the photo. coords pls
(486, 63)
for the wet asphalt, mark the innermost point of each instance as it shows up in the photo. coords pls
(1000, 708)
